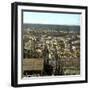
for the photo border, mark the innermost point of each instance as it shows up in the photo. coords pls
(14, 43)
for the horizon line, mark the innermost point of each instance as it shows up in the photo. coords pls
(53, 24)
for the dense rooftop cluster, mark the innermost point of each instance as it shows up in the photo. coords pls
(53, 43)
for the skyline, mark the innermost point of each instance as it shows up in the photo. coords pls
(51, 18)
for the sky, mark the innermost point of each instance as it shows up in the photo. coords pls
(51, 18)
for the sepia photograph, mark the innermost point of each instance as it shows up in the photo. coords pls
(51, 44)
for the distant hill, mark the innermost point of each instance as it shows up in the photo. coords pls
(50, 27)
